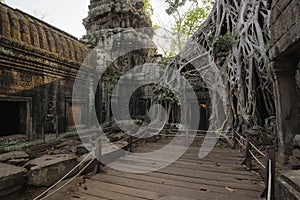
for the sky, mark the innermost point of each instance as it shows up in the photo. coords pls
(67, 15)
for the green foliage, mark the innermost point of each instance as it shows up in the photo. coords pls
(188, 21)
(164, 93)
(174, 5)
(193, 19)
(222, 45)
(148, 8)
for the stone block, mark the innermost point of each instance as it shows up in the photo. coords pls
(296, 141)
(81, 150)
(285, 41)
(278, 8)
(91, 167)
(18, 162)
(296, 153)
(294, 163)
(13, 155)
(46, 170)
(12, 178)
(285, 27)
(289, 185)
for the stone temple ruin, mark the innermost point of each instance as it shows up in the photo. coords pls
(38, 67)
(109, 18)
(39, 64)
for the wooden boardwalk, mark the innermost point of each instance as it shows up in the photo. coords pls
(218, 176)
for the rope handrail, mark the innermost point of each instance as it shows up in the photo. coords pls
(260, 152)
(257, 160)
(269, 166)
(240, 143)
(65, 176)
(70, 180)
(241, 136)
(182, 135)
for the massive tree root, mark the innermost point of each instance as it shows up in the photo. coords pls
(239, 81)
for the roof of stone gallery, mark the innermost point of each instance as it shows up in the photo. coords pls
(21, 30)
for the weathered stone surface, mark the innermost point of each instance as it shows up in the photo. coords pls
(39, 64)
(296, 141)
(13, 155)
(284, 26)
(12, 178)
(81, 149)
(18, 162)
(296, 153)
(43, 36)
(294, 163)
(46, 170)
(87, 158)
(284, 53)
(289, 185)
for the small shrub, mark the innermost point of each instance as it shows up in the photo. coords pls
(222, 46)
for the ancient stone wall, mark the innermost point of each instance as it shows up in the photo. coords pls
(38, 65)
(284, 56)
(24, 31)
(111, 26)
(285, 26)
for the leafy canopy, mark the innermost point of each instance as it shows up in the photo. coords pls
(188, 16)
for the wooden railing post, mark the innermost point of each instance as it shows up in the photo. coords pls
(130, 143)
(270, 175)
(98, 153)
(187, 138)
(248, 156)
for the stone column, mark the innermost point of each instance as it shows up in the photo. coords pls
(286, 104)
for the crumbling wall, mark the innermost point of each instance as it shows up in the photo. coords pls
(106, 21)
(38, 65)
(284, 57)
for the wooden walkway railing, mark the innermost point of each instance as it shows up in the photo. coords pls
(268, 165)
(217, 176)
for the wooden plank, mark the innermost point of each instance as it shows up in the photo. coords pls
(253, 186)
(199, 162)
(184, 183)
(190, 149)
(146, 194)
(168, 189)
(229, 160)
(218, 176)
(189, 172)
(81, 196)
(182, 164)
(96, 191)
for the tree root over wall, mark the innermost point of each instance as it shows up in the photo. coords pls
(238, 78)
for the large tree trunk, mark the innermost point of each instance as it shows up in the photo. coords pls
(241, 82)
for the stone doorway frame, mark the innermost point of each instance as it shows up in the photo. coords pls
(284, 71)
(28, 104)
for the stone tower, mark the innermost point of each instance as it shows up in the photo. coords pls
(109, 19)
(116, 16)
